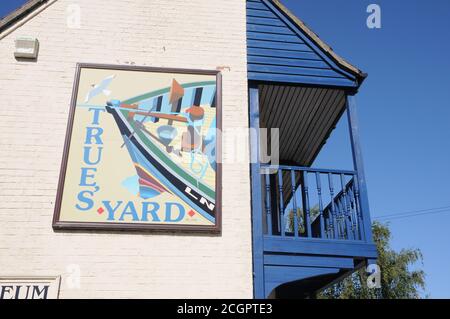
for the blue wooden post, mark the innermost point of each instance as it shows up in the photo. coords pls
(294, 203)
(345, 209)
(306, 199)
(257, 211)
(359, 166)
(334, 219)
(358, 210)
(319, 194)
(280, 186)
(268, 200)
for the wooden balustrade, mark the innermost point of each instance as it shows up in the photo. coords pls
(311, 203)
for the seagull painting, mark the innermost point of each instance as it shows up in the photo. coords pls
(100, 88)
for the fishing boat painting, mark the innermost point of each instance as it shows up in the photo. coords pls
(158, 171)
(168, 133)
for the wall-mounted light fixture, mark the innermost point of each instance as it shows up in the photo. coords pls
(26, 48)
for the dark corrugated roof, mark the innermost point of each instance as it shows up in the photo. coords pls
(305, 117)
(20, 13)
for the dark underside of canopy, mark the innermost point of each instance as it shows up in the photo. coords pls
(305, 117)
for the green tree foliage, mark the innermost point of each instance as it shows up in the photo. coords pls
(313, 212)
(398, 281)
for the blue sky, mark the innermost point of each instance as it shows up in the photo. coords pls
(404, 114)
(6, 6)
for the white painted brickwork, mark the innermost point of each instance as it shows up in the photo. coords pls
(35, 99)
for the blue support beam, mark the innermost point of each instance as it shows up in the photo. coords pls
(359, 166)
(317, 246)
(257, 209)
(309, 261)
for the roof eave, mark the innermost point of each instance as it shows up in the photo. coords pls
(20, 13)
(360, 75)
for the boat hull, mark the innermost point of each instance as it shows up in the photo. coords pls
(197, 195)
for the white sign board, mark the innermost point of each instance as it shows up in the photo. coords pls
(29, 287)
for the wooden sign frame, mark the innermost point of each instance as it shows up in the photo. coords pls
(59, 222)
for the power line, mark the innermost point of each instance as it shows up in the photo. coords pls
(394, 217)
(412, 212)
(408, 216)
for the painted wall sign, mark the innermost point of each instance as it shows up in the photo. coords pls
(29, 287)
(141, 150)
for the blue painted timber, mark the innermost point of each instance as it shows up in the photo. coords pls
(309, 261)
(309, 169)
(283, 257)
(359, 165)
(257, 223)
(279, 51)
(346, 248)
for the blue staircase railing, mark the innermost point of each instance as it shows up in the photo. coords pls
(311, 203)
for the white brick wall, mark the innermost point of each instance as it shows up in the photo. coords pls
(35, 99)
